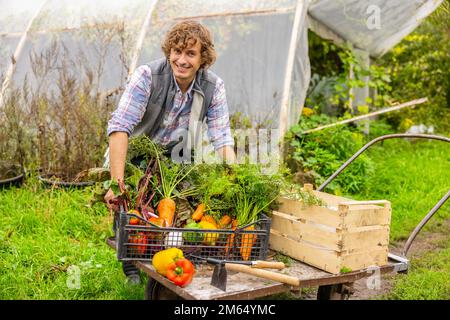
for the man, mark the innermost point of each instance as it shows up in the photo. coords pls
(167, 98)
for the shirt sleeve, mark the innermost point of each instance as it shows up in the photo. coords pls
(133, 102)
(218, 120)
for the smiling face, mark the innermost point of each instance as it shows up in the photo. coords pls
(185, 62)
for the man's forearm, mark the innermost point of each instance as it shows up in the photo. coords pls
(118, 147)
(227, 154)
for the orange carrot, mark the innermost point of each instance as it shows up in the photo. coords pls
(224, 221)
(198, 213)
(247, 243)
(166, 210)
(230, 239)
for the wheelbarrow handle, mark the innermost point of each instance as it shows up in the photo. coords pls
(422, 223)
(372, 142)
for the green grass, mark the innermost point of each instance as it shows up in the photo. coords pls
(414, 177)
(428, 278)
(47, 236)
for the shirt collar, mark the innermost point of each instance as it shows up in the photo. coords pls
(189, 91)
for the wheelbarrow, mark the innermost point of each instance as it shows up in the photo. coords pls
(245, 287)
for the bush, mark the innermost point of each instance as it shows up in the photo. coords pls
(316, 156)
(418, 67)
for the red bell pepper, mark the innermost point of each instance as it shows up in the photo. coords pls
(180, 272)
(140, 240)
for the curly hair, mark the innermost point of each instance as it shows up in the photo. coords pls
(187, 33)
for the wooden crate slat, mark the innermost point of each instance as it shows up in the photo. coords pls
(365, 259)
(358, 217)
(328, 260)
(300, 230)
(376, 236)
(316, 214)
(322, 259)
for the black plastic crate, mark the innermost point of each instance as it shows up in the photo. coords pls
(223, 244)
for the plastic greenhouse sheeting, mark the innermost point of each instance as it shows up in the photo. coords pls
(262, 46)
(372, 25)
(81, 34)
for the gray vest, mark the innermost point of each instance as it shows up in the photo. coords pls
(163, 90)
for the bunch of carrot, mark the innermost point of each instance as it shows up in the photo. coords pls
(248, 211)
(171, 176)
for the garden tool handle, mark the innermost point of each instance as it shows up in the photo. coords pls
(271, 275)
(268, 264)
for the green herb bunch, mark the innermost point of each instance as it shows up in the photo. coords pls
(254, 192)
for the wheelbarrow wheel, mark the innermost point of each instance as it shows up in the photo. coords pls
(156, 291)
(335, 292)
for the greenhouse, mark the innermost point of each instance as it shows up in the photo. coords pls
(262, 45)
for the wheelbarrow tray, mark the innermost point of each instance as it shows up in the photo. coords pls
(242, 286)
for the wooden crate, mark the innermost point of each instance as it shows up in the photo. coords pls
(345, 234)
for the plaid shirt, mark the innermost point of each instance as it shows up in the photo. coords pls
(133, 103)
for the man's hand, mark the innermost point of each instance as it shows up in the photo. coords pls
(227, 154)
(109, 196)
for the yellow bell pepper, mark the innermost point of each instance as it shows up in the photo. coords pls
(162, 259)
(209, 238)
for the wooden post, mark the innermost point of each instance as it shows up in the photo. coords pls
(364, 116)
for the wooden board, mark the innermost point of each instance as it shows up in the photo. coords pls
(360, 216)
(321, 258)
(321, 215)
(362, 260)
(328, 259)
(298, 229)
(338, 214)
(365, 237)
